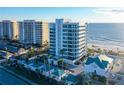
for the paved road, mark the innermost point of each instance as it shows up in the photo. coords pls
(10, 78)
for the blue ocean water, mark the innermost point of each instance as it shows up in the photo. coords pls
(109, 33)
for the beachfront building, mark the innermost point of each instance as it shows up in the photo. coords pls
(33, 32)
(8, 30)
(15, 30)
(101, 65)
(67, 39)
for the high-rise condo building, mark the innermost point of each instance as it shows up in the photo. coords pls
(33, 32)
(68, 39)
(15, 30)
(8, 30)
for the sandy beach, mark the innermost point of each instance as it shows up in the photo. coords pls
(106, 46)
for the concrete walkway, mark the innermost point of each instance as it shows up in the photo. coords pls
(76, 68)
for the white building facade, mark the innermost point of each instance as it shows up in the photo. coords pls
(33, 32)
(69, 37)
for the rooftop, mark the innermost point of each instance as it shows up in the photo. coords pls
(102, 61)
(8, 47)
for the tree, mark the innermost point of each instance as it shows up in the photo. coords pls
(16, 37)
(102, 79)
(100, 50)
(15, 61)
(80, 78)
(118, 52)
(49, 56)
(7, 55)
(26, 59)
(36, 61)
(0, 56)
(32, 51)
(5, 37)
(46, 43)
(119, 78)
(37, 72)
(90, 51)
(112, 82)
(88, 82)
(61, 63)
(62, 51)
(45, 61)
(40, 49)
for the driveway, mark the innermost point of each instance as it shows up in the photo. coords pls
(76, 68)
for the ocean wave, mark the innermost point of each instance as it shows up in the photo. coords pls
(112, 42)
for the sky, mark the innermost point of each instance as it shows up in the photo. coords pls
(87, 14)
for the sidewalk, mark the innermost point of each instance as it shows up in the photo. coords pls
(18, 76)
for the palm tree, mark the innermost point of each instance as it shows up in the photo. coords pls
(81, 78)
(45, 58)
(5, 37)
(37, 72)
(32, 51)
(90, 51)
(62, 51)
(44, 61)
(49, 56)
(40, 50)
(49, 65)
(99, 50)
(45, 43)
(88, 82)
(16, 61)
(26, 59)
(61, 63)
(118, 52)
(36, 61)
(16, 37)
(7, 55)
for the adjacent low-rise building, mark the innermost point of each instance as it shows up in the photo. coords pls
(101, 65)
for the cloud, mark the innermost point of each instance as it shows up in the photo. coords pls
(107, 15)
(110, 11)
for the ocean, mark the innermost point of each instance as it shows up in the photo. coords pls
(107, 33)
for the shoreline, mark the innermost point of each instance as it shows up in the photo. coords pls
(106, 46)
